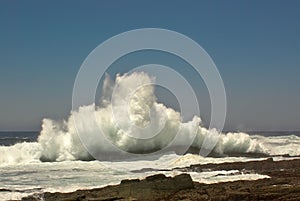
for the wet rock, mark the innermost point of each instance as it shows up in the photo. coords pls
(152, 188)
(283, 185)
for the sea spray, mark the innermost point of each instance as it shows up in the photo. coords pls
(59, 140)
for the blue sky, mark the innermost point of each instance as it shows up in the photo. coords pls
(255, 45)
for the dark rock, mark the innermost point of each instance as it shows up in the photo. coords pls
(283, 185)
(156, 177)
(129, 181)
(152, 188)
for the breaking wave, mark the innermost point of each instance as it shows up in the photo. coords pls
(59, 141)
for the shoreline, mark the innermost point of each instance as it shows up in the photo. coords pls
(283, 184)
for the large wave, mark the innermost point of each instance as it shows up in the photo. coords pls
(59, 140)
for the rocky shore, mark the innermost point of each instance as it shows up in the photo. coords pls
(283, 184)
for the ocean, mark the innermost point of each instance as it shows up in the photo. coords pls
(120, 133)
(21, 177)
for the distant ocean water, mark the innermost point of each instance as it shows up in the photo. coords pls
(8, 138)
(274, 133)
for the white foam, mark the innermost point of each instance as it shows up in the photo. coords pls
(224, 176)
(280, 145)
(69, 176)
(59, 141)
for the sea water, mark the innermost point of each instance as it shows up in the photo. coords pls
(61, 156)
(19, 178)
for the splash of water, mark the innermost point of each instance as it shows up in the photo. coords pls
(59, 141)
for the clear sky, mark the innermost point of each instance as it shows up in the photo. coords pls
(255, 45)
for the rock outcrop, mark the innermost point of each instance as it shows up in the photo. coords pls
(283, 185)
(154, 187)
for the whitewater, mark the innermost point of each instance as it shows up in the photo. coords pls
(61, 160)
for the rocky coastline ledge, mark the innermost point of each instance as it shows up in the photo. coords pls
(283, 184)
